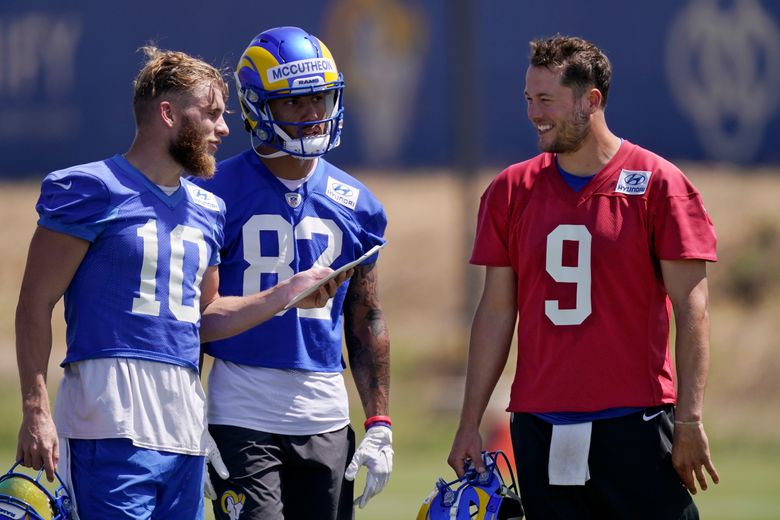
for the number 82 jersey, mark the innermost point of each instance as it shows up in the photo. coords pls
(272, 232)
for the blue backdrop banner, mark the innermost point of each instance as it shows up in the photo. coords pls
(692, 79)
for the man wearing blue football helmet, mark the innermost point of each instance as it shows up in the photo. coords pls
(278, 406)
(287, 63)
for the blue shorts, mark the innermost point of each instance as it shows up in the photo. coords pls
(113, 479)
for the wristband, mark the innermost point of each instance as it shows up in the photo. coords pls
(688, 423)
(378, 420)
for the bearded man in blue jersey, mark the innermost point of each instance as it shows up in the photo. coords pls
(278, 406)
(134, 248)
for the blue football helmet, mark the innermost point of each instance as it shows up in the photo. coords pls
(23, 497)
(285, 62)
(475, 496)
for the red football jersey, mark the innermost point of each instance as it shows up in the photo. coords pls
(593, 324)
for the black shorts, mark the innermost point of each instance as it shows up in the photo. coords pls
(630, 464)
(290, 477)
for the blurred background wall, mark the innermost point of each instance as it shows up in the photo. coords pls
(693, 79)
(434, 109)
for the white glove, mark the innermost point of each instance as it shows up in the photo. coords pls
(215, 459)
(376, 454)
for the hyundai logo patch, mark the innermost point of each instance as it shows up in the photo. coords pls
(344, 194)
(633, 182)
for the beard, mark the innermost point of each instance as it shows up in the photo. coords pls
(571, 134)
(190, 150)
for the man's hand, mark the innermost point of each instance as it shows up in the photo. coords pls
(376, 454)
(215, 459)
(302, 281)
(691, 452)
(466, 447)
(38, 446)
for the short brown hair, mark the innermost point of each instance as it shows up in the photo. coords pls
(584, 65)
(171, 72)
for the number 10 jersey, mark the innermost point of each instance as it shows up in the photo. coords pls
(136, 293)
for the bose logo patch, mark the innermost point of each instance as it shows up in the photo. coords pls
(344, 194)
(202, 197)
(633, 182)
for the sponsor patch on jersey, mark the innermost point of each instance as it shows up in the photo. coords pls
(633, 182)
(293, 199)
(344, 194)
(202, 197)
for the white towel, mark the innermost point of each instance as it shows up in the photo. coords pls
(569, 447)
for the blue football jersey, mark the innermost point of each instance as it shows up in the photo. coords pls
(271, 233)
(137, 292)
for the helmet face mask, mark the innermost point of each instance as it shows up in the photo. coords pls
(288, 62)
(474, 496)
(23, 497)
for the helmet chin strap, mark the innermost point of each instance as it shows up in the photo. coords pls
(271, 155)
(292, 143)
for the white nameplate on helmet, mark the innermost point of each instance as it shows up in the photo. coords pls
(12, 511)
(633, 182)
(344, 194)
(299, 68)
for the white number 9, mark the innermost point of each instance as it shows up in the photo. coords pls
(567, 274)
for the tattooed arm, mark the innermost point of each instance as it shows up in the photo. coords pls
(368, 348)
(368, 341)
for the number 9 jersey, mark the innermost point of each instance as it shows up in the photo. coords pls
(272, 232)
(593, 310)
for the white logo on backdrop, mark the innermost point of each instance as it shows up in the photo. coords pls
(723, 68)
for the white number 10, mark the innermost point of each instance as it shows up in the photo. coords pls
(568, 274)
(147, 303)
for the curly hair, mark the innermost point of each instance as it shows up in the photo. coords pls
(171, 72)
(584, 65)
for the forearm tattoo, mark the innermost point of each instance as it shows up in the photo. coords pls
(368, 341)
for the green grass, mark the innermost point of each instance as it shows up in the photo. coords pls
(749, 468)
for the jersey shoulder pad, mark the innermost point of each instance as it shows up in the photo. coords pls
(76, 196)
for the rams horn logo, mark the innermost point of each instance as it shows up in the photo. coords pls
(232, 503)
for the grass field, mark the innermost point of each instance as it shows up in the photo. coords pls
(749, 468)
(426, 284)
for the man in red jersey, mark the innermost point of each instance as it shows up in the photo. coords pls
(585, 247)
